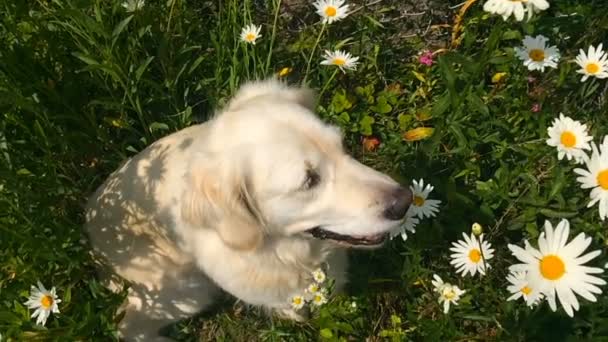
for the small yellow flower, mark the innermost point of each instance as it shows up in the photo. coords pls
(297, 302)
(285, 71)
(318, 275)
(319, 299)
(251, 33)
(313, 288)
(418, 133)
(498, 77)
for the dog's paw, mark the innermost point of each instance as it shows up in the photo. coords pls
(291, 314)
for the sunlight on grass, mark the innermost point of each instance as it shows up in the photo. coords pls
(495, 118)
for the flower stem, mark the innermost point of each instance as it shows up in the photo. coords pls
(483, 257)
(314, 48)
(331, 78)
(274, 30)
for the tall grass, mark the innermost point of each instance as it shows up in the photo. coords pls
(84, 85)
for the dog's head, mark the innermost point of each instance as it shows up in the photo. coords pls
(271, 167)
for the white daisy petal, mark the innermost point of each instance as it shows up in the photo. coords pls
(570, 138)
(422, 206)
(448, 293)
(331, 10)
(535, 54)
(341, 59)
(43, 301)
(251, 33)
(518, 9)
(593, 64)
(557, 269)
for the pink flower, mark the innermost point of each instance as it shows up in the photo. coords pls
(536, 108)
(426, 58)
(531, 79)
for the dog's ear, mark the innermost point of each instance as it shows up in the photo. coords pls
(219, 197)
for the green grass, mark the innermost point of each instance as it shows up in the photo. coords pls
(83, 85)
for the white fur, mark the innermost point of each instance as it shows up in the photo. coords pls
(222, 203)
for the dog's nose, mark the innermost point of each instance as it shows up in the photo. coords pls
(399, 201)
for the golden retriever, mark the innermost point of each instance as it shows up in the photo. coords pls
(251, 202)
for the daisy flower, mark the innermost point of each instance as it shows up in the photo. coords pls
(331, 10)
(297, 302)
(409, 224)
(421, 206)
(557, 267)
(318, 275)
(133, 5)
(43, 301)
(536, 54)
(596, 177)
(593, 63)
(520, 287)
(319, 299)
(570, 137)
(251, 33)
(517, 8)
(341, 59)
(313, 288)
(448, 293)
(470, 256)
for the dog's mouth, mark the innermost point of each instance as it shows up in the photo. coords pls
(353, 240)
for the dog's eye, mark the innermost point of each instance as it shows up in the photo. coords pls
(312, 179)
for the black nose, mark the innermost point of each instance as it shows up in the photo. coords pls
(399, 201)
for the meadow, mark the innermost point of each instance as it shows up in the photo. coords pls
(445, 91)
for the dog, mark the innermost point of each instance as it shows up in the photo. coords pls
(249, 202)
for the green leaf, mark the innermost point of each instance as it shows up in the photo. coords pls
(478, 318)
(142, 68)
(158, 126)
(121, 26)
(476, 104)
(447, 72)
(558, 214)
(441, 106)
(84, 58)
(344, 118)
(326, 333)
(365, 125)
(340, 102)
(381, 106)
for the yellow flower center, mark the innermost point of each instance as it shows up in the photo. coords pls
(339, 61)
(537, 55)
(449, 294)
(331, 11)
(526, 290)
(418, 201)
(46, 302)
(317, 298)
(475, 255)
(552, 267)
(602, 179)
(250, 37)
(592, 68)
(568, 139)
(297, 300)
